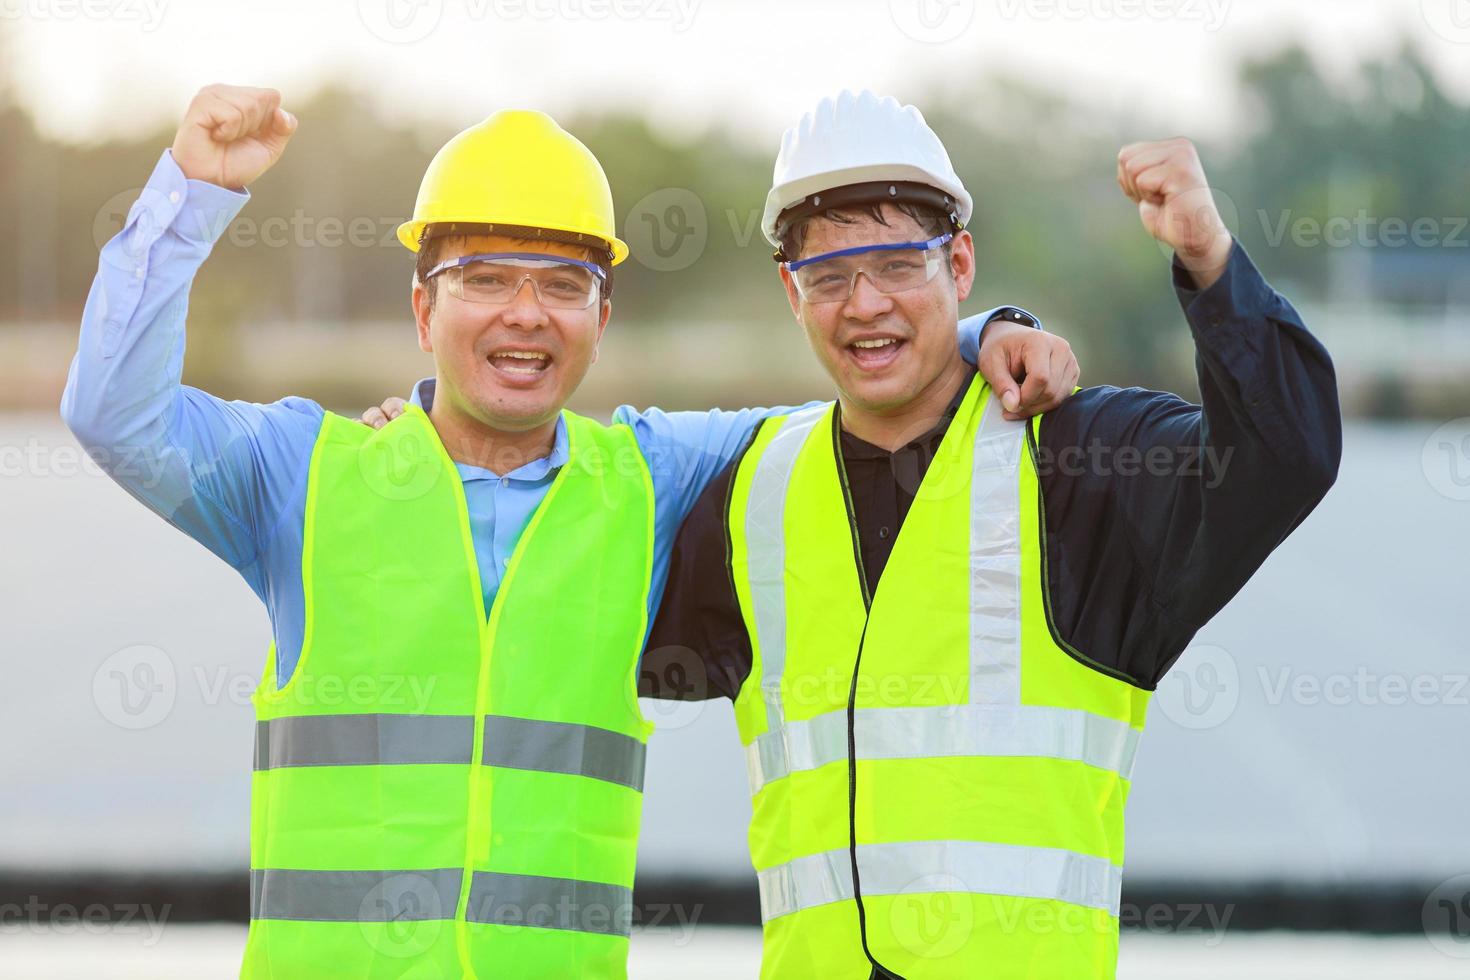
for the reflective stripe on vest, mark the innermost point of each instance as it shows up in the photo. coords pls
(967, 729)
(929, 737)
(767, 512)
(394, 740)
(991, 869)
(417, 896)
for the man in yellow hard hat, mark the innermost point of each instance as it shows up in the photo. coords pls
(449, 751)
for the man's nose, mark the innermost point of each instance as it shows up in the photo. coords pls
(525, 309)
(865, 301)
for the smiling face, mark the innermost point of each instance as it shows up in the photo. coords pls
(510, 367)
(884, 350)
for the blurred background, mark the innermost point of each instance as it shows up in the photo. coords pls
(1299, 808)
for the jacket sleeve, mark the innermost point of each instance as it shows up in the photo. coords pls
(1158, 511)
(698, 648)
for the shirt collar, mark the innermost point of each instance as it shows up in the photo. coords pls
(536, 469)
(861, 449)
(423, 394)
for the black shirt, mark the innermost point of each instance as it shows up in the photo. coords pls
(1156, 511)
(883, 484)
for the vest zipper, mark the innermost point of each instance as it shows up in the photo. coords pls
(880, 972)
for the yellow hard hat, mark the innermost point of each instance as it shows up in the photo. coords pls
(516, 168)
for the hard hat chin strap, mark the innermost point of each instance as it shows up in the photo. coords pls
(869, 192)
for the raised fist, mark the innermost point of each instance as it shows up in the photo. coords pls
(1167, 181)
(231, 134)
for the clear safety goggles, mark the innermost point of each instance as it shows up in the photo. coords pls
(891, 268)
(497, 277)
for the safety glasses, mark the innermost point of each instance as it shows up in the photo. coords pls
(891, 268)
(496, 277)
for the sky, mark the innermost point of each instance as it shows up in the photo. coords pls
(92, 69)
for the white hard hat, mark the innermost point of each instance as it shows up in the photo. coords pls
(859, 138)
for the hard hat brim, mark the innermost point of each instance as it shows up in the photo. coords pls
(410, 233)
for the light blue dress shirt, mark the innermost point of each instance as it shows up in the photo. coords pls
(232, 474)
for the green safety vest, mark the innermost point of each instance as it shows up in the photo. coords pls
(436, 795)
(937, 781)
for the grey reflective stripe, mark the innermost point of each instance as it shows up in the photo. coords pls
(364, 740)
(995, 560)
(354, 896)
(550, 903)
(388, 739)
(404, 896)
(557, 746)
(805, 883)
(765, 535)
(947, 730)
(920, 867)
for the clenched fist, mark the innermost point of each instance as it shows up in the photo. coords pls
(1167, 180)
(231, 134)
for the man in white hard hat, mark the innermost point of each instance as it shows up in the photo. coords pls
(449, 756)
(940, 628)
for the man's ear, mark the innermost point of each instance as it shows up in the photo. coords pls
(791, 295)
(962, 264)
(421, 313)
(602, 319)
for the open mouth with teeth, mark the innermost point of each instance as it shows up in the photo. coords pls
(520, 363)
(876, 352)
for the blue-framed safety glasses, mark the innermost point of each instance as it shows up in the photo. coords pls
(892, 267)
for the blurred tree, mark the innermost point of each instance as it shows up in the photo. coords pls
(316, 246)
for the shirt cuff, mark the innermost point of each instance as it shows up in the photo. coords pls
(972, 332)
(1240, 292)
(195, 210)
